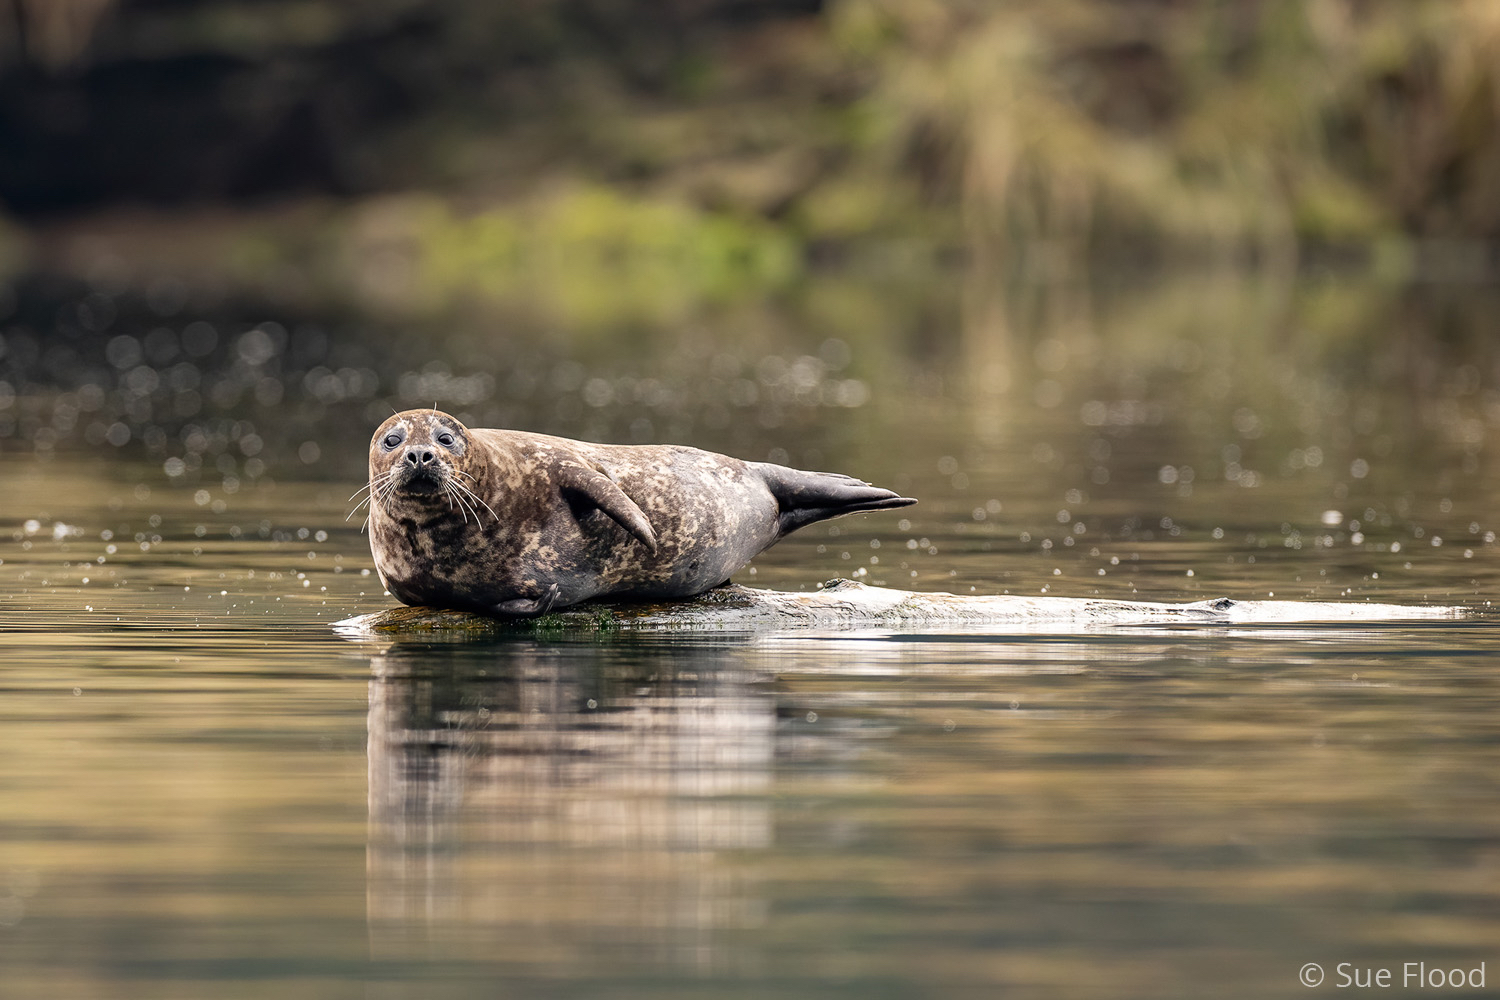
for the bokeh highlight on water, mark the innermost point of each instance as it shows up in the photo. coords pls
(208, 792)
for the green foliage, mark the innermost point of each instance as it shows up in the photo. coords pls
(588, 255)
(615, 159)
(1206, 126)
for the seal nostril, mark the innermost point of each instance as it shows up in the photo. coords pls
(411, 457)
(427, 457)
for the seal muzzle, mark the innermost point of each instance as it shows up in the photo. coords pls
(419, 469)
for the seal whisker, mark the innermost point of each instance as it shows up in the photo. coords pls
(475, 502)
(462, 474)
(464, 487)
(465, 502)
(371, 484)
(475, 497)
(453, 495)
(467, 497)
(370, 488)
(455, 499)
(383, 493)
(379, 489)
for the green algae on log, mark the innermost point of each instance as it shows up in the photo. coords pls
(846, 604)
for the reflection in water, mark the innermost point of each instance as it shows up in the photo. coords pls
(188, 810)
(526, 792)
(1133, 814)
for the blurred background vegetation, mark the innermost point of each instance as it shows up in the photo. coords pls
(598, 158)
(752, 225)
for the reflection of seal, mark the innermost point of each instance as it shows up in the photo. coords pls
(516, 524)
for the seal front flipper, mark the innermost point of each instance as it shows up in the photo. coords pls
(600, 491)
(523, 608)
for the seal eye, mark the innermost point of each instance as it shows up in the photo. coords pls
(391, 440)
(445, 439)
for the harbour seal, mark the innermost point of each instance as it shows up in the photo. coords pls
(513, 523)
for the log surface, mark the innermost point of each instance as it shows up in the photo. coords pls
(846, 604)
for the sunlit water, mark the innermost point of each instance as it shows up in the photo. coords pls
(204, 791)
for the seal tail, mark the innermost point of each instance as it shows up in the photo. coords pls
(807, 497)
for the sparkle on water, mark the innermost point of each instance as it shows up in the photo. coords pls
(210, 793)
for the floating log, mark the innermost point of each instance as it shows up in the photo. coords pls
(847, 604)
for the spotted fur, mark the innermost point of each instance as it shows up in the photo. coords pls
(509, 522)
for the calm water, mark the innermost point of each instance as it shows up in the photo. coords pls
(205, 792)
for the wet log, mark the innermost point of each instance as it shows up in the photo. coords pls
(844, 604)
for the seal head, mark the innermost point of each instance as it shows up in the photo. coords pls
(420, 458)
(423, 505)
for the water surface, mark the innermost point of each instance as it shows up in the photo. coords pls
(207, 792)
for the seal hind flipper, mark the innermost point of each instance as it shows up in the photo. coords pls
(806, 497)
(601, 491)
(528, 608)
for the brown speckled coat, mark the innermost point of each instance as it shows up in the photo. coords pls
(561, 521)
